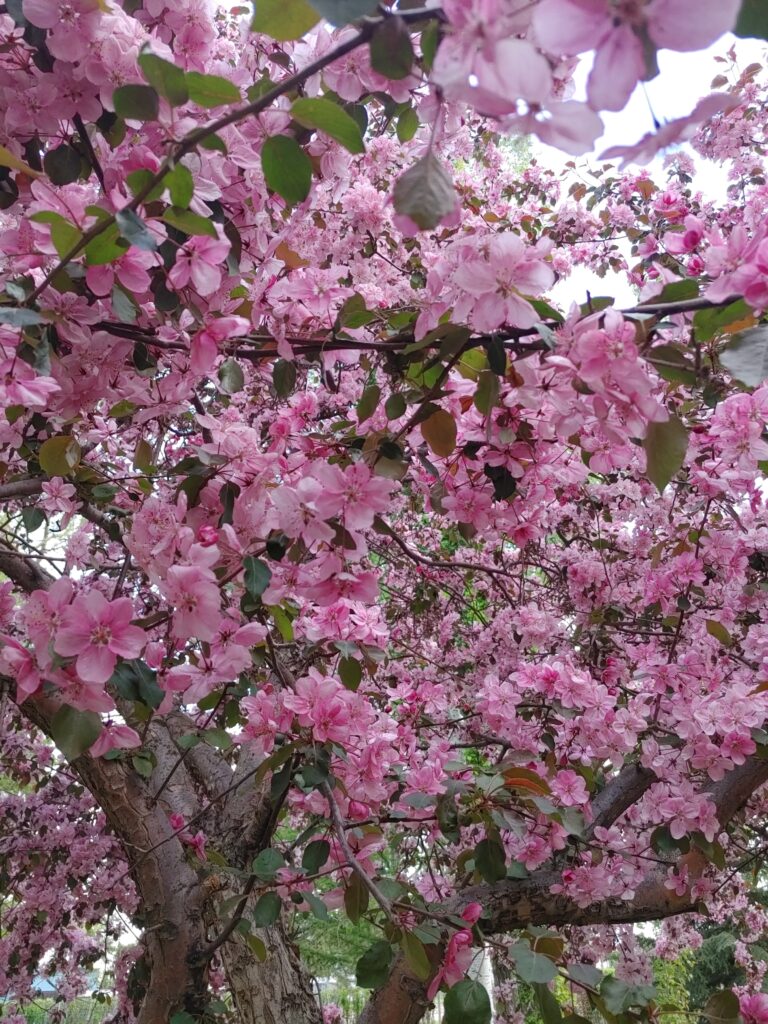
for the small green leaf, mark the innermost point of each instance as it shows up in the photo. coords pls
(722, 1007)
(350, 673)
(32, 517)
(719, 632)
(287, 168)
(665, 447)
(211, 90)
(407, 125)
(315, 855)
(267, 910)
(64, 234)
(181, 186)
(20, 317)
(136, 102)
(326, 116)
(368, 403)
(266, 865)
(355, 899)
(231, 377)
(190, 223)
(316, 905)
(134, 230)
(395, 406)
(58, 456)
(416, 956)
(467, 1002)
(372, 969)
(284, 20)
(283, 377)
(425, 193)
(391, 48)
(490, 860)
(257, 575)
(548, 1005)
(62, 165)
(74, 731)
(166, 79)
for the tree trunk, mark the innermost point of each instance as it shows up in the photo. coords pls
(277, 991)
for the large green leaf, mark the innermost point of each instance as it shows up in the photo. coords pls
(665, 447)
(326, 116)
(467, 1003)
(74, 731)
(722, 1007)
(284, 19)
(745, 356)
(425, 193)
(287, 169)
(58, 456)
(532, 968)
(490, 860)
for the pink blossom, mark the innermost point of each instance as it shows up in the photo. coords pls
(199, 262)
(96, 631)
(754, 1008)
(205, 344)
(319, 702)
(194, 593)
(73, 24)
(570, 788)
(115, 737)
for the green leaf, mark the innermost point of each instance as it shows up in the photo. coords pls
(284, 19)
(341, 12)
(135, 680)
(407, 125)
(350, 673)
(665, 447)
(619, 996)
(439, 431)
(257, 575)
(355, 899)
(753, 20)
(672, 364)
(183, 1018)
(267, 910)
(134, 230)
(372, 969)
(678, 291)
(58, 456)
(74, 731)
(211, 90)
(722, 1006)
(143, 765)
(416, 956)
(745, 356)
(719, 632)
(166, 79)
(391, 48)
(315, 855)
(287, 168)
(490, 860)
(64, 234)
(548, 1005)
(326, 116)
(181, 186)
(136, 102)
(267, 864)
(62, 165)
(20, 317)
(395, 406)
(708, 323)
(283, 377)
(586, 974)
(105, 248)
(316, 905)
(231, 377)
(532, 968)
(425, 193)
(190, 223)
(32, 517)
(368, 403)
(467, 1002)
(214, 142)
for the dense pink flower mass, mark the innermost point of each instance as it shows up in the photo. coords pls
(357, 559)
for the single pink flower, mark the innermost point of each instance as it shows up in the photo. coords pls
(115, 737)
(199, 261)
(96, 631)
(194, 592)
